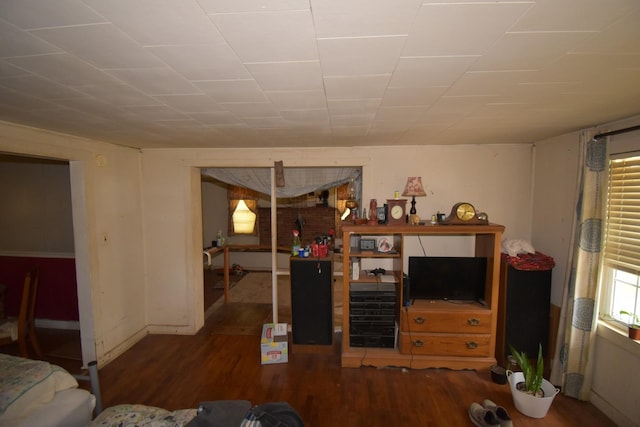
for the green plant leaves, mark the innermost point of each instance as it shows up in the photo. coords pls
(532, 375)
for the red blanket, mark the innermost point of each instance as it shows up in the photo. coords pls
(529, 262)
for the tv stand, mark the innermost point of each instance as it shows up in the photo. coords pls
(431, 333)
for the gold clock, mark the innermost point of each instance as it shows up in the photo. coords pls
(396, 209)
(465, 213)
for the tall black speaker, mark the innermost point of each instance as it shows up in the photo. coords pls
(523, 313)
(311, 301)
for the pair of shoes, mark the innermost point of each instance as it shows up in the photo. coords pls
(500, 412)
(489, 415)
(482, 417)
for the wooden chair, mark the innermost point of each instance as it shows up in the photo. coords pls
(24, 324)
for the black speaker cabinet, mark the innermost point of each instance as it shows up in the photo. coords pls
(523, 312)
(311, 301)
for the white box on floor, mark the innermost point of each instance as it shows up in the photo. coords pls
(274, 344)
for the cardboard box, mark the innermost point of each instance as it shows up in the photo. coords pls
(274, 344)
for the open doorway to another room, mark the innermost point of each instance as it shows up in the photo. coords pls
(37, 231)
(315, 214)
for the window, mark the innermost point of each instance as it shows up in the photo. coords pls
(621, 262)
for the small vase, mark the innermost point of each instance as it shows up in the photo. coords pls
(634, 333)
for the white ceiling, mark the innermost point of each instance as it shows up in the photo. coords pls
(266, 73)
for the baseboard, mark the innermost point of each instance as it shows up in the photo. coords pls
(58, 324)
(118, 350)
(616, 416)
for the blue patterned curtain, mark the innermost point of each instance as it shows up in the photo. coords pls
(573, 362)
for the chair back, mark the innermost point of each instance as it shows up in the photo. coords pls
(28, 302)
(26, 316)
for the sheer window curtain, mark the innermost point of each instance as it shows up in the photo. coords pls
(298, 181)
(573, 360)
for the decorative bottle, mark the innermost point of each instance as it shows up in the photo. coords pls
(295, 248)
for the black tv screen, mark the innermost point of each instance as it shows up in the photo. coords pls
(447, 278)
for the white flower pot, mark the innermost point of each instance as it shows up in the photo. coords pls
(529, 405)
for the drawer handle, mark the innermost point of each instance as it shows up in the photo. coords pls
(417, 343)
(419, 320)
(474, 321)
(472, 345)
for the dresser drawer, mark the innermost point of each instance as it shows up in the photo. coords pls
(445, 344)
(473, 322)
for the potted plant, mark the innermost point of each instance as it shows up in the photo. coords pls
(633, 324)
(532, 394)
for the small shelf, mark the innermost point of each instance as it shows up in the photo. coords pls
(373, 254)
(369, 278)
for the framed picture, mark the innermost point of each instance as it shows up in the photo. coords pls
(384, 245)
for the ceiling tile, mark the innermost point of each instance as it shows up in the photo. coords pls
(522, 51)
(252, 109)
(401, 114)
(202, 62)
(117, 94)
(63, 68)
(20, 101)
(39, 87)
(156, 81)
(266, 122)
(353, 106)
(156, 112)
(29, 14)
(268, 37)
(355, 87)
(225, 118)
(103, 45)
(312, 117)
(16, 42)
(412, 96)
(232, 90)
(355, 18)
(197, 103)
(281, 76)
(488, 83)
(361, 121)
(8, 70)
(159, 22)
(363, 55)
(573, 15)
(621, 37)
(297, 99)
(468, 29)
(430, 71)
(230, 6)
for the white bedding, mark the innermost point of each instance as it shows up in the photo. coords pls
(69, 408)
(36, 390)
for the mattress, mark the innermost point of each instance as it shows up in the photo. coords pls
(69, 408)
(37, 393)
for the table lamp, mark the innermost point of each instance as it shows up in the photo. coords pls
(414, 188)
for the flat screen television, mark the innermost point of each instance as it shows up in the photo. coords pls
(447, 278)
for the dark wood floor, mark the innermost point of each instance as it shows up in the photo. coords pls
(222, 362)
(181, 371)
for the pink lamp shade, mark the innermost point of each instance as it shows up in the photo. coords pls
(414, 188)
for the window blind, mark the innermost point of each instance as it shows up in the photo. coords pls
(622, 238)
